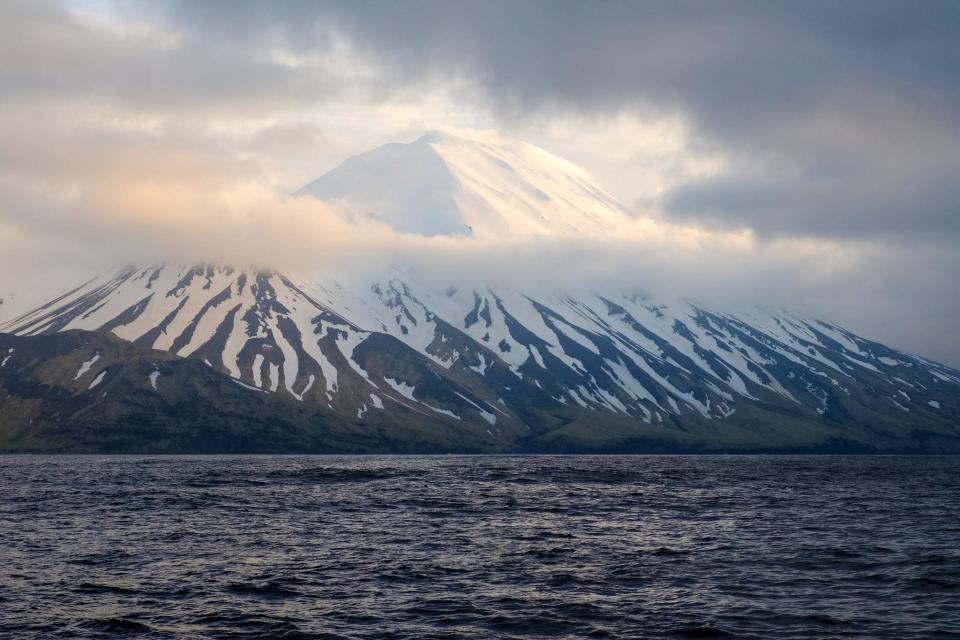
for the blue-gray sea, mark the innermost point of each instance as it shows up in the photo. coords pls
(479, 547)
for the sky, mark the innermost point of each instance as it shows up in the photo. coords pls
(812, 149)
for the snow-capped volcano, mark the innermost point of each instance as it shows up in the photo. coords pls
(499, 367)
(471, 183)
(510, 365)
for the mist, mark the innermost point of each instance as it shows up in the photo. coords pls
(141, 220)
(167, 132)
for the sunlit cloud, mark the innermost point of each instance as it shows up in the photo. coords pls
(156, 131)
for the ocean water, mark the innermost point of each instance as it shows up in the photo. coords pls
(480, 547)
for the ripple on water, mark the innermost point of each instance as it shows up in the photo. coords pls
(479, 547)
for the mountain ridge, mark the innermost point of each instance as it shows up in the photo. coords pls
(516, 366)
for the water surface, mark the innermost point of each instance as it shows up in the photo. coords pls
(482, 547)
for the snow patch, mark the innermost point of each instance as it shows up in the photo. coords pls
(445, 412)
(258, 370)
(898, 405)
(274, 377)
(86, 366)
(299, 396)
(97, 380)
(245, 386)
(404, 389)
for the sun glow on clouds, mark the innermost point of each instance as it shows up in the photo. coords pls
(160, 188)
(638, 158)
(134, 132)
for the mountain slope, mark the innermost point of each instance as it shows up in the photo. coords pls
(86, 392)
(594, 372)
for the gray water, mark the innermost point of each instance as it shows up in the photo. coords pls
(481, 547)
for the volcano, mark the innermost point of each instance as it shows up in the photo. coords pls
(215, 358)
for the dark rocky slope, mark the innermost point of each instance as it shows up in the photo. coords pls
(90, 392)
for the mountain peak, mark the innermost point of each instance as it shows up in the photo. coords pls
(469, 182)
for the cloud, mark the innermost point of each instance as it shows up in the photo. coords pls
(843, 114)
(790, 154)
(49, 52)
(802, 89)
(196, 210)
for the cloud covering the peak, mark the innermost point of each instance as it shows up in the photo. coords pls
(772, 152)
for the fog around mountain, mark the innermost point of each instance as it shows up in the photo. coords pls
(142, 132)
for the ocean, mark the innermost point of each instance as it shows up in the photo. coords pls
(479, 547)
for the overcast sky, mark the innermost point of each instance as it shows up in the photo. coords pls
(825, 133)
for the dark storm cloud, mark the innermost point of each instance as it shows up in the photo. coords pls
(787, 91)
(924, 209)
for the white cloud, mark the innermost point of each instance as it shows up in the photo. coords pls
(124, 137)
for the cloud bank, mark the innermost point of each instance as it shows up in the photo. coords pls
(778, 154)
